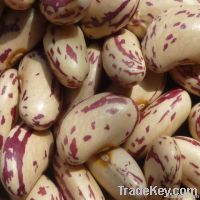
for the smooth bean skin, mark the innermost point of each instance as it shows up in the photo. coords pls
(163, 166)
(44, 189)
(123, 60)
(25, 156)
(190, 149)
(84, 131)
(9, 97)
(187, 77)
(167, 34)
(194, 121)
(149, 9)
(144, 93)
(40, 99)
(92, 81)
(66, 51)
(104, 17)
(75, 182)
(163, 117)
(19, 4)
(20, 32)
(117, 168)
(64, 12)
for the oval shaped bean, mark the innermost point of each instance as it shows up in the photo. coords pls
(25, 156)
(92, 81)
(167, 34)
(20, 32)
(76, 182)
(163, 166)
(44, 189)
(40, 98)
(64, 12)
(9, 96)
(187, 77)
(117, 168)
(190, 149)
(123, 60)
(149, 9)
(19, 4)
(146, 91)
(163, 117)
(105, 17)
(84, 131)
(67, 53)
(194, 121)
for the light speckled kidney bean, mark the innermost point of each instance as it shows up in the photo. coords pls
(163, 117)
(19, 4)
(20, 31)
(40, 98)
(100, 122)
(92, 81)
(117, 168)
(194, 121)
(67, 53)
(76, 182)
(190, 149)
(163, 166)
(25, 156)
(44, 189)
(146, 91)
(105, 17)
(167, 34)
(123, 60)
(9, 96)
(149, 9)
(188, 77)
(64, 12)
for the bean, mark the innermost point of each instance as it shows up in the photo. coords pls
(76, 182)
(157, 119)
(40, 98)
(67, 54)
(123, 60)
(25, 156)
(100, 122)
(64, 12)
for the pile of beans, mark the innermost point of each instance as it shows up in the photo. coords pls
(96, 94)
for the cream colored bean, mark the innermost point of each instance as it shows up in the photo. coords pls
(169, 33)
(187, 77)
(64, 12)
(25, 156)
(149, 9)
(194, 122)
(123, 60)
(40, 98)
(163, 117)
(163, 166)
(44, 189)
(100, 122)
(67, 53)
(146, 91)
(20, 32)
(19, 4)
(190, 149)
(76, 182)
(9, 96)
(92, 81)
(117, 168)
(187, 196)
(105, 17)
